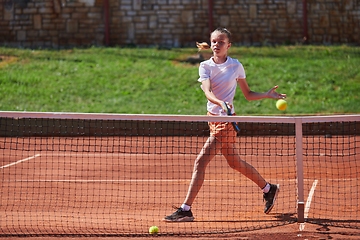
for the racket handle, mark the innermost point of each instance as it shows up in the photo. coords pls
(228, 111)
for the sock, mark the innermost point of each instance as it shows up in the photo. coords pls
(266, 189)
(185, 207)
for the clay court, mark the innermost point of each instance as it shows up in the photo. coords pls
(121, 185)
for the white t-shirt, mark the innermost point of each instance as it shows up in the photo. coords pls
(223, 78)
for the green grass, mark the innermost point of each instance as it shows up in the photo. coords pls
(316, 79)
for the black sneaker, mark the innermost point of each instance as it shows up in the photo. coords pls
(180, 216)
(270, 197)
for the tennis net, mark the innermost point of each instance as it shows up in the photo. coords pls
(110, 174)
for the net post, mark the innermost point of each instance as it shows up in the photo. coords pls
(300, 169)
(301, 209)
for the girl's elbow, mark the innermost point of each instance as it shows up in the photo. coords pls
(247, 97)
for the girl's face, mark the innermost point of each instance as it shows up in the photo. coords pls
(219, 43)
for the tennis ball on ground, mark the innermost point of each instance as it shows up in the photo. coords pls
(281, 104)
(153, 230)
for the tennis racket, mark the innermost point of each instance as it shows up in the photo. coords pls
(228, 111)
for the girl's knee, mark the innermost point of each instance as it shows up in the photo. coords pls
(233, 164)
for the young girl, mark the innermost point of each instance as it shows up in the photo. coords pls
(219, 77)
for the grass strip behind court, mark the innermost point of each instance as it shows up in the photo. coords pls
(316, 79)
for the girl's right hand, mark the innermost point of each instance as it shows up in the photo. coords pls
(223, 106)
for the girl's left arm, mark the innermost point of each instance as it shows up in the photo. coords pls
(251, 95)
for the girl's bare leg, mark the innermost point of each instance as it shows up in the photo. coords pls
(209, 150)
(231, 154)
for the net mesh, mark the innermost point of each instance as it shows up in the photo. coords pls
(121, 174)
(332, 171)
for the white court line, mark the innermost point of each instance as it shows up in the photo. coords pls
(20, 161)
(114, 180)
(308, 203)
(114, 154)
(104, 155)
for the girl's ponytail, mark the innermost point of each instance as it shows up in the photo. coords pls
(202, 46)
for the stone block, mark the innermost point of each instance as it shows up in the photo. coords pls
(74, 42)
(140, 19)
(77, 15)
(60, 26)
(126, 19)
(282, 23)
(72, 26)
(141, 26)
(163, 20)
(137, 4)
(21, 35)
(99, 39)
(30, 5)
(8, 14)
(125, 8)
(29, 10)
(273, 27)
(131, 31)
(44, 10)
(26, 25)
(80, 35)
(167, 7)
(99, 3)
(57, 6)
(95, 15)
(266, 13)
(65, 15)
(348, 4)
(291, 7)
(82, 10)
(324, 21)
(86, 30)
(52, 17)
(84, 24)
(187, 16)
(43, 33)
(318, 31)
(222, 12)
(89, 3)
(152, 24)
(37, 21)
(253, 11)
(32, 33)
(48, 26)
(22, 17)
(225, 20)
(334, 31)
(75, 4)
(131, 13)
(281, 12)
(67, 11)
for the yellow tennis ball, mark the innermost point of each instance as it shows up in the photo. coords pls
(153, 230)
(281, 104)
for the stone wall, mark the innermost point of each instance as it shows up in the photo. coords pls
(334, 21)
(175, 23)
